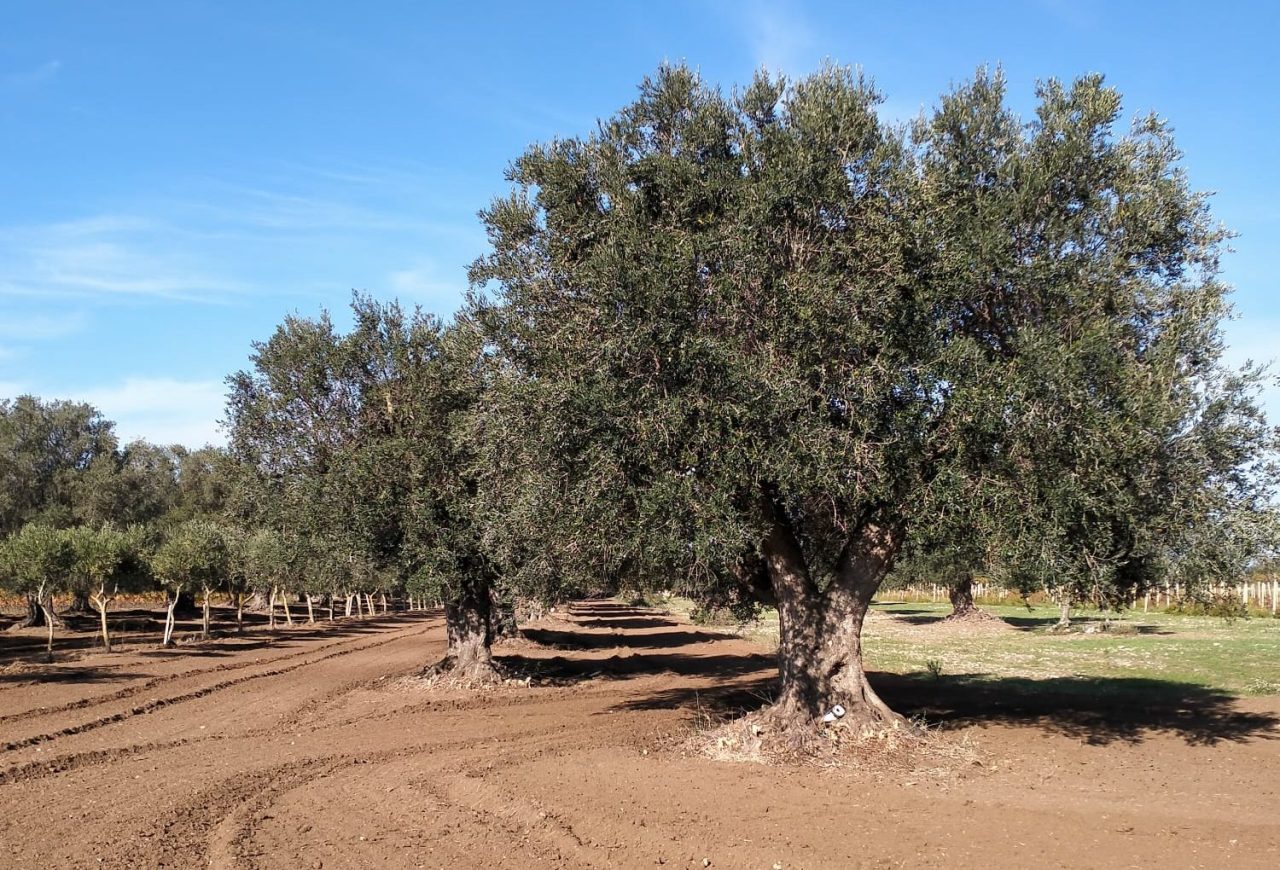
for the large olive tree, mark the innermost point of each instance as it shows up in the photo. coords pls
(755, 340)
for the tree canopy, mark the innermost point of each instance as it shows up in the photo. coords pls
(759, 339)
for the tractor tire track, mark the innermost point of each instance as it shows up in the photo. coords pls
(161, 703)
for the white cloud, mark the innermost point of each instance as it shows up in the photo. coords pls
(104, 257)
(425, 283)
(40, 327)
(163, 410)
(780, 36)
(1254, 340)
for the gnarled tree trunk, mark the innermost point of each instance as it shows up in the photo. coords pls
(39, 612)
(962, 606)
(468, 625)
(820, 631)
(1064, 613)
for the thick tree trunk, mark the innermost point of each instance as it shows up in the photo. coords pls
(467, 622)
(820, 632)
(1064, 611)
(962, 606)
(79, 603)
(39, 612)
(311, 613)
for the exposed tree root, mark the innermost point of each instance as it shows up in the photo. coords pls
(971, 614)
(462, 672)
(867, 745)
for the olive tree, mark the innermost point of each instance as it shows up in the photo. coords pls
(39, 562)
(102, 561)
(194, 555)
(757, 339)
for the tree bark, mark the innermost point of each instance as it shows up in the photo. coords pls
(961, 595)
(38, 613)
(49, 621)
(204, 616)
(469, 656)
(168, 621)
(239, 612)
(1064, 611)
(820, 631)
(79, 603)
(311, 613)
(100, 601)
(271, 610)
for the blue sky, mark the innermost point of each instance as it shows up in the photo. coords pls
(177, 176)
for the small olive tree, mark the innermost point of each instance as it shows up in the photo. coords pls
(193, 556)
(39, 561)
(103, 561)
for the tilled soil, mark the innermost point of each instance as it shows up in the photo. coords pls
(319, 748)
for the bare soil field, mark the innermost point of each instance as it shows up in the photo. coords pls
(317, 747)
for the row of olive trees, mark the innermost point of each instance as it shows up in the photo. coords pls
(764, 348)
(199, 558)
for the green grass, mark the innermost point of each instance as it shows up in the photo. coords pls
(1241, 657)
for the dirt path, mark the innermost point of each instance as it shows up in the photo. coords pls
(318, 749)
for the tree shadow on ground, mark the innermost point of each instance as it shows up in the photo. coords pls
(1038, 623)
(627, 622)
(1096, 710)
(1080, 624)
(613, 611)
(570, 640)
(64, 674)
(562, 670)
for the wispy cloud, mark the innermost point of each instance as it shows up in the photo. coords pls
(105, 256)
(426, 283)
(163, 410)
(1254, 341)
(779, 35)
(25, 326)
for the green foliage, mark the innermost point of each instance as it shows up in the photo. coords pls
(193, 555)
(995, 333)
(38, 560)
(104, 559)
(45, 450)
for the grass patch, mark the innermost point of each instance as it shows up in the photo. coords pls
(1238, 657)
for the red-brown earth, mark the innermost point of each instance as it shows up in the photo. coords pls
(317, 748)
